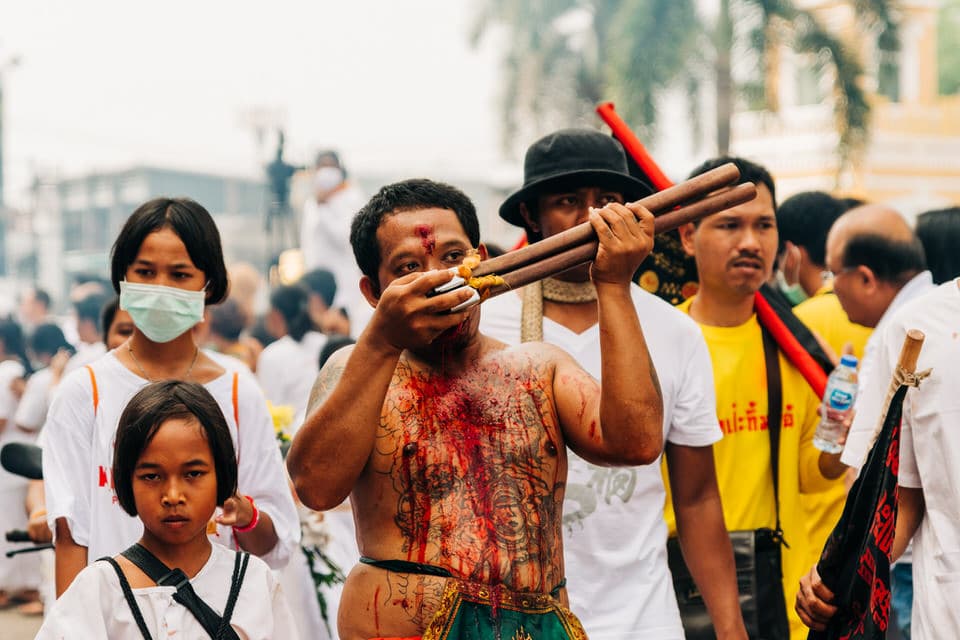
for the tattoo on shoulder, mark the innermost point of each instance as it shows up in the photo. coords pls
(326, 381)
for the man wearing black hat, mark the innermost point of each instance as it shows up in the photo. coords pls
(615, 537)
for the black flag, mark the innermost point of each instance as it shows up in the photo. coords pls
(855, 564)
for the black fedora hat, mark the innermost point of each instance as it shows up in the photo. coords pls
(573, 157)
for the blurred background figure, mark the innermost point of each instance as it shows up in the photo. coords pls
(116, 323)
(288, 367)
(19, 576)
(226, 324)
(34, 308)
(49, 353)
(89, 342)
(939, 232)
(325, 234)
(321, 288)
(804, 220)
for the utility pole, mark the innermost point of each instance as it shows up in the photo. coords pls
(8, 64)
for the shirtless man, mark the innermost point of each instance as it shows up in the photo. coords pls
(451, 445)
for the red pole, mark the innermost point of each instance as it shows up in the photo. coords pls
(787, 342)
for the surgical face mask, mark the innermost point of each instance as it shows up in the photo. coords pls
(327, 178)
(794, 292)
(162, 313)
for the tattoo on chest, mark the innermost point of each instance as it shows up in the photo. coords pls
(474, 462)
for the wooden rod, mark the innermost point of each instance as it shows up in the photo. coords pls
(559, 262)
(657, 203)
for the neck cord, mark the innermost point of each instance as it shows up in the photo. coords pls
(186, 376)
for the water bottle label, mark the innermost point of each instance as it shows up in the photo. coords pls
(840, 399)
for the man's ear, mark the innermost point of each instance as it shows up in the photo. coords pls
(482, 250)
(867, 278)
(528, 218)
(370, 291)
(687, 232)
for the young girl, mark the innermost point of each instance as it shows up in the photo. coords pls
(167, 264)
(174, 464)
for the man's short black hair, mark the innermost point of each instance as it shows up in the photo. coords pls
(89, 308)
(891, 260)
(749, 172)
(228, 320)
(193, 225)
(146, 412)
(42, 297)
(939, 233)
(290, 301)
(322, 283)
(408, 195)
(805, 220)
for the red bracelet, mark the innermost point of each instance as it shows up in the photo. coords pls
(254, 520)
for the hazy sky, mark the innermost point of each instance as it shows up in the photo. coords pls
(106, 84)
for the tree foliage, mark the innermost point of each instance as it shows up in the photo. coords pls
(632, 51)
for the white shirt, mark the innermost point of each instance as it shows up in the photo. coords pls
(325, 243)
(930, 452)
(86, 353)
(78, 458)
(94, 608)
(287, 370)
(37, 394)
(864, 423)
(614, 534)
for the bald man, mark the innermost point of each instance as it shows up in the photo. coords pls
(878, 265)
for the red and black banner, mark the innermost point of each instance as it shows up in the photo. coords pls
(855, 563)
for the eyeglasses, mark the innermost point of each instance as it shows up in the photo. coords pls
(826, 275)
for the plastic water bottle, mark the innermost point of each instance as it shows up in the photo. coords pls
(837, 403)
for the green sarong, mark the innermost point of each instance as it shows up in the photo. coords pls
(470, 611)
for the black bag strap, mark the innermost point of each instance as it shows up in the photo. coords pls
(128, 596)
(185, 595)
(771, 357)
(240, 563)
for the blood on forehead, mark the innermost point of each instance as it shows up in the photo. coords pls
(427, 238)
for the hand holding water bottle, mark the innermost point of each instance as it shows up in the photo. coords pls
(837, 405)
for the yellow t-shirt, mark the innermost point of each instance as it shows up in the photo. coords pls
(742, 457)
(823, 314)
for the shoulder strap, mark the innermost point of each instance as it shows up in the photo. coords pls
(240, 563)
(185, 595)
(93, 383)
(771, 357)
(128, 596)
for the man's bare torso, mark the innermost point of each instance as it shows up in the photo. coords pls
(467, 474)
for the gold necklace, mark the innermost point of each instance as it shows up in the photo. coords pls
(568, 292)
(186, 376)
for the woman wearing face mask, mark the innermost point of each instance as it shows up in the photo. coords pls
(166, 264)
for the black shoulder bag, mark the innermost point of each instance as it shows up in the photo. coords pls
(756, 553)
(217, 627)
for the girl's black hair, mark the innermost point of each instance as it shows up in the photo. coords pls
(193, 225)
(152, 406)
(107, 315)
(291, 302)
(48, 339)
(13, 343)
